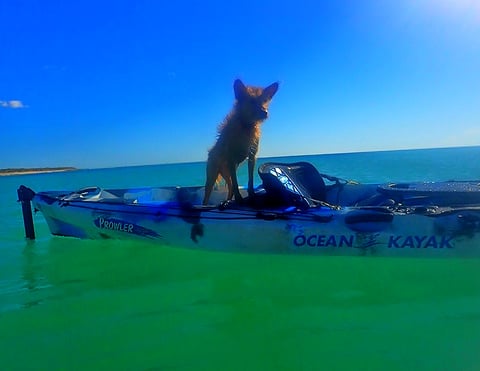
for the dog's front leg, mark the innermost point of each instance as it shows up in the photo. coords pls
(233, 174)
(251, 167)
(211, 177)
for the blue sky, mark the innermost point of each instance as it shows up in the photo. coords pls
(115, 83)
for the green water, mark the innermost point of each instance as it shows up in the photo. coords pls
(133, 306)
(69, 304)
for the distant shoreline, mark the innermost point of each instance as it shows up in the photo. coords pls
(25, 171)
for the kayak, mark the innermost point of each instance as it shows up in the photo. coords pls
(296, 210)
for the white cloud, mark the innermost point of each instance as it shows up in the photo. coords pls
(12, 104)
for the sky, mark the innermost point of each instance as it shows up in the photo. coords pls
(95, 84)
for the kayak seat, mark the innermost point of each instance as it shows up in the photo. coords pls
(296, 184)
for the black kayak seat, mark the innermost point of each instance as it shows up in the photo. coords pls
(297, 183)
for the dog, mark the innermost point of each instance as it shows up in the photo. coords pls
(238, 139)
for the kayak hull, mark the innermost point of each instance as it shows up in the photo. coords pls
(172, 216)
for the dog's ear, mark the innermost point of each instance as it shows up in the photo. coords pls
(239, 89)
(270, 91)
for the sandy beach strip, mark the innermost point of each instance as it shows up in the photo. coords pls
(9, 172)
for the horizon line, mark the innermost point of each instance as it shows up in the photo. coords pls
(280, 156)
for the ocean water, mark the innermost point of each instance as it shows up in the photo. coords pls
(69, 304)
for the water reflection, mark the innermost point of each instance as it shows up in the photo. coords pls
(34, 280)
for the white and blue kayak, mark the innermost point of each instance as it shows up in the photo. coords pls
(296, 210)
